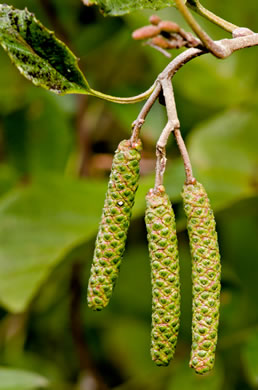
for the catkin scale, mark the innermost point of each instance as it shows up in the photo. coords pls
(162, 242)
(115, 220)
(206, 271)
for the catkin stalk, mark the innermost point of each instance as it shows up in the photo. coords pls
(111, 238)
(206, 271)
(162, 240)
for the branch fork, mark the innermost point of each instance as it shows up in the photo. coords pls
(173, 125)
(163, 35)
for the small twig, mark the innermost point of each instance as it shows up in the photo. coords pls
(184, 153)
(158, 48)
(170, 101)
(174, 125)
(137, 124)
(161, 155)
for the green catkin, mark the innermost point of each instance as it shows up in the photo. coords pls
(206, 271)
(162, 240)
(115, 220)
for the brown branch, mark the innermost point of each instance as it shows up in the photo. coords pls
(137, 124)
(173, 125)
(161, 155)
(185, 156)
(162, 82)
(229, 45)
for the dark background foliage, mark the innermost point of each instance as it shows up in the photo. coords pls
(55, 157)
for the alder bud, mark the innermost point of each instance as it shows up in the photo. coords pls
(154, 19)
(167, 26)
(161, 42)
(145, 32)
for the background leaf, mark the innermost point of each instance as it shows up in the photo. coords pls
(40, 225)
(186, 378)
(250, 357)
(12, 379)
(224, 155)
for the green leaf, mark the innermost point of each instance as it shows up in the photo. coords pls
(250, 358)
(121, 7)
(39, 138)
(38, 54)
(219, 84)
(238, 229)
(40, 225)
(12, 379)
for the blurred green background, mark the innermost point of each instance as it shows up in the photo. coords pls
(55, 158)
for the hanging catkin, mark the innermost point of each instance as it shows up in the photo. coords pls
(205, 276)
(161, 228)
(110, 242)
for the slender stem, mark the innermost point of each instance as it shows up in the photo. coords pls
(170, 101)
(184, 153)
(161, 155)
(210, 45)
(201, 10)
(175, 125)
(178, 62)
(121, 100)
(171, 125)
(137, 124)
(160, 49)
